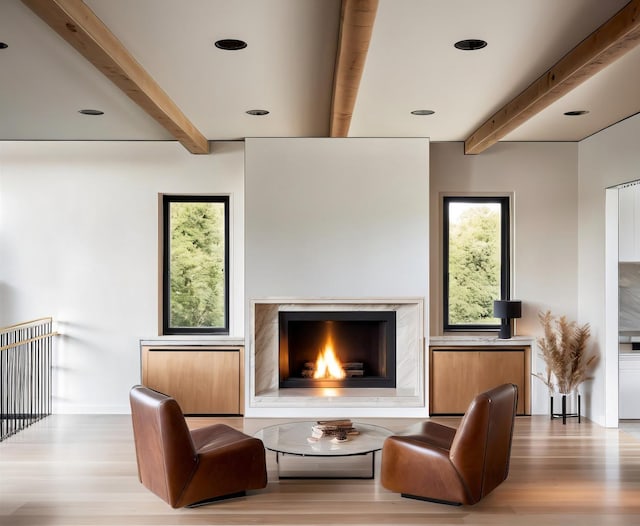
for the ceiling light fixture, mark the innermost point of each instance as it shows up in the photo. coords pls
(91, 112)
(470, 44)
(576, 113)
(257, 112)
(422, 112)
(4, 45)
(230, 44)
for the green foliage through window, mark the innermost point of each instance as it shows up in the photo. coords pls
(195, 259)
(476, 260)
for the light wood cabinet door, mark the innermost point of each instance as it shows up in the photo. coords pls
(203, 381)
(458, 375)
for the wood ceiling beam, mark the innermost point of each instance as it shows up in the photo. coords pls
(80, 27)
(356, 25)
(605, 45)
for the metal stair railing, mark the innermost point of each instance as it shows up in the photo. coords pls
(25, 374)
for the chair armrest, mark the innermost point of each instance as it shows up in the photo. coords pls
(414, 465)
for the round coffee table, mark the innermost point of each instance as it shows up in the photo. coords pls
(294, 438)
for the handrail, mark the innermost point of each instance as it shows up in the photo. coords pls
(25, 324)
(26, 360)
(30, 340)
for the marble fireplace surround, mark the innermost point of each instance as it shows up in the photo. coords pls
(267, 399)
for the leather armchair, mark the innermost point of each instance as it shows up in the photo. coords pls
(452, 466)
(185, 467)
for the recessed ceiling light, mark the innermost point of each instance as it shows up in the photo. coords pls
(257, 112)
(470, 44)
(422, 112)
(230, 44)
(91, 112)
(4, 45)
(576, 113)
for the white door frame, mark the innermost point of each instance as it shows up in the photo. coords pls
(611, 306)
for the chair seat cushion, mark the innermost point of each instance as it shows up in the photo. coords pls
(437, 435)
(215, 436)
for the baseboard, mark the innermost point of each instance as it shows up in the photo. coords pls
(78, 409)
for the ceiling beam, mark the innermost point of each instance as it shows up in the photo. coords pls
(356, 25)
(605, 45)
(80, 27)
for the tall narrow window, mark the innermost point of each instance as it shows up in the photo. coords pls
(476, 260)
(195, 264)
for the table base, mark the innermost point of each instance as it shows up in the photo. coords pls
(359, 466)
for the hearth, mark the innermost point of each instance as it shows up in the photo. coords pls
(337, 349)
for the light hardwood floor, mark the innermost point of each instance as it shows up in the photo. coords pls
(80, 470)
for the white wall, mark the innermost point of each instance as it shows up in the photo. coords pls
(542, 177)
(608, 158)
(338, 218)
(79, 241)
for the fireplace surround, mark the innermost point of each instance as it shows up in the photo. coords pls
(266, 397)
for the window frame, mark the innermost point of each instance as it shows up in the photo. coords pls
(167, 200)
(505, 256)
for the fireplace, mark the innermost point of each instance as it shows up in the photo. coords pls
(406, 399)
(337, 349)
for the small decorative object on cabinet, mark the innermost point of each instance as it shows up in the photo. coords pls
(507, 311)
(568, 361)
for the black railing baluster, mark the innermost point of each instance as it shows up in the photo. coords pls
(25, 374)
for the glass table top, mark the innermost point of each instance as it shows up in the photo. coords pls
(296, 438)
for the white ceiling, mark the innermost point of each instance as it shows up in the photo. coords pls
(287, 68)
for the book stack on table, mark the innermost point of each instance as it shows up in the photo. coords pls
(340, 430)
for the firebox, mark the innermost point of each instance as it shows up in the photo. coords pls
(337, 349)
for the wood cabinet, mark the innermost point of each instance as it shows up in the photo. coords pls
(204, 380)
(458, 374)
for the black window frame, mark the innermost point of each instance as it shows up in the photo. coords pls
(505, 257)
(167, 199)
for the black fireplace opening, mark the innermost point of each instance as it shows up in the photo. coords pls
(337, 349)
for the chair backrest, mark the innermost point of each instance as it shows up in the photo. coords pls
(164, 448)
(481, 448)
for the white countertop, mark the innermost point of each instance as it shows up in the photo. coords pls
(628, 338)
(193, 339)
(480, 340)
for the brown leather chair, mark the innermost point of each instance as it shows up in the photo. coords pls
(185, 467)
(450, 466)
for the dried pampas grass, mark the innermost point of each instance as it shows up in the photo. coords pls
(563, 348)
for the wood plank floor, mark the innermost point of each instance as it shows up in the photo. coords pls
(80, 470)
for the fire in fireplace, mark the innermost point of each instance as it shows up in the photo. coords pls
(337, 349)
